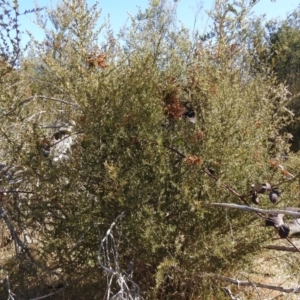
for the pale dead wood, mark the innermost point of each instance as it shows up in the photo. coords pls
(108, 259)
(259, 210)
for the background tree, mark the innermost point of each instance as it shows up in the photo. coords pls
(275, 43)
(284, 62)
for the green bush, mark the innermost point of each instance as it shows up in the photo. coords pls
(134, 150)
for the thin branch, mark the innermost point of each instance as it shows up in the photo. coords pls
(48, 295)
(248, 283)
(41, 97)
(108, 249)
(255, 287)
(79, 239)
(176, 151)
(228, 293)
(230, 189)
(102, 248)
(292, 179)
(46, 82)
(281, 248)
(254, 209)
(290, 241)
(49, 98)
(19, 192)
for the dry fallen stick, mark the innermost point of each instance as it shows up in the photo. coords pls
(254, 284)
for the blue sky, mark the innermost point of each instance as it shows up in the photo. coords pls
(117, 9)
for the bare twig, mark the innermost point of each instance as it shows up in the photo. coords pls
(230, 189)
(19, 192)
(48, 83)
(248, 283)
(228, 292)
(290, 241)
(79, 239)
(48, 98)
(289, 180)
(176, 151)
(108, 259)
(48, 295)
(281, 248)
(29, 99)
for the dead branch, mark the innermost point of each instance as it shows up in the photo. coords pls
(20, 245)
(248, 283)
(281, 248)
(108, 252)
(259, 210)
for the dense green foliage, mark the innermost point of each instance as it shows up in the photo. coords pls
(134, 150)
